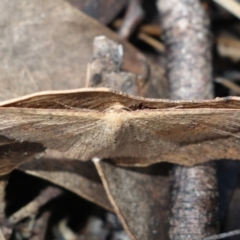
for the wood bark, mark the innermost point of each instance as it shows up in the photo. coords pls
(186, 34)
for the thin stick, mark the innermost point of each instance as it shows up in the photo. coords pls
(194, 196)
(33, 207)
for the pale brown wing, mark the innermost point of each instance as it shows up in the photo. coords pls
(185, 136)
(162, 134)
(79, 134)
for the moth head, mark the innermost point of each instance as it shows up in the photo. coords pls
(117, 107)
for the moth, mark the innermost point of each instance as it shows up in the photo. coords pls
(133, 131)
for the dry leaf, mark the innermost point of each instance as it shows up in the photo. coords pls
(46, 45)
(78, 177)
(140, 197)
(102, 10)
(86, 123)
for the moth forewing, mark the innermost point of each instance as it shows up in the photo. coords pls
(154, 133)
(129, 130)
(73, 132)
(139, 138)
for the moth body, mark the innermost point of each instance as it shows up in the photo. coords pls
(104, 143)
(115, 119)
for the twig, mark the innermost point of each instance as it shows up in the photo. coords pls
(133, 16)
(185, 28)
(33, 207)
(40, 227)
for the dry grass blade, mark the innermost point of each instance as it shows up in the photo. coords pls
(229, 84)
(150, 29)
(231, 5)
(228, 47)
(223, 235)
(152, 42)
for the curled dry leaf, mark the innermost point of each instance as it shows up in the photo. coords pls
(134, 131)
(78, 177)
